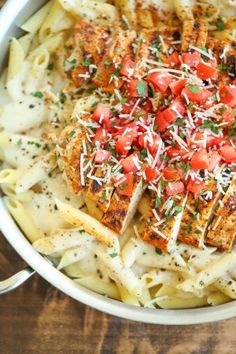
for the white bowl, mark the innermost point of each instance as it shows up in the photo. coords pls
(14, 14)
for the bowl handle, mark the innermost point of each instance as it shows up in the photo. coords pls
(15, 280)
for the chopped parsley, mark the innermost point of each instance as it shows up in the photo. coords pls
(208, 124)
(113, 254)
(184, 166)
(158, 250)
(141, 88)
(157, 202)
(72, 133)
(86, 62)
(193, 88)
(19, 143)
(37, 94)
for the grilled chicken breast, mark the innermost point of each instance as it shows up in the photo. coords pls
(197, 215)
(194, 33)
(122, 208)
(222, 231)
(161, 227)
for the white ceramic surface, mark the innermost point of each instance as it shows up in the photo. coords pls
(14, 13)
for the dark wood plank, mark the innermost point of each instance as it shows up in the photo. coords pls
(37, 318)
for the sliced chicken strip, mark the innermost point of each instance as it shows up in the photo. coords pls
(99, 191)
(107, 75)
(122, 208)
(161, 230)
(222, 230)
(194, 33)
(197, 215)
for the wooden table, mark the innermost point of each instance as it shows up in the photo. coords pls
(38, 319)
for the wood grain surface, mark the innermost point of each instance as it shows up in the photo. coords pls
(39, 319)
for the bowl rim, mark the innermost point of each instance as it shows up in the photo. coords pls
(8, 17)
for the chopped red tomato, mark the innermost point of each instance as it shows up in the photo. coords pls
(123, 145)
(228, 95)
(206, 71)
(228, 153)
(174, 188)
(229, 116)
(197, 94)
(195, 186)
(200, 160)
(191, 59)
(102, 113)
(173, 59)
(160, 122)
(150, 142)
(130, 129)
(151, 174)
(159, 81)
(126, 185)
(137, 88)
(216, 141)
(128, 106)
(170, 173)
(101, 156)
(146, 105)
(101, 136)
(175, 151)
(170, 114)
(128, 67)
(214, 159)
(197, 139)
(131, 163)
(177, 86)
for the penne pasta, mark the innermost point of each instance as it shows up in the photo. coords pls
(23, 219)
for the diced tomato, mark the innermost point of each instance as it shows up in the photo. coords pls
(191, 59)
(130, 129)
(126, 186)
(229, 116)
(178, 105)
(170, 114)
(159, 81)
(177, 86)
(146, 105)
(160, 122)
(137, 88)
(170, 173)
(200, 160)
(173, 59)
(151, 174)
(197, 94)
(128, 106)
(228, 95)
(216, 141)
(123, 145)
(150, 143)
(206, 71)
(102, 113)
(101, 156)
(174, 151)
(174, 188)
(129, 164)
(195, 186)
(128, 67)
(228, 153)
(214, 159)
(101, 136)
(197, 139)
